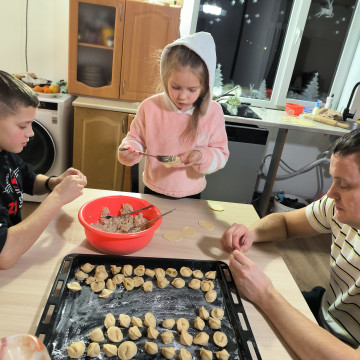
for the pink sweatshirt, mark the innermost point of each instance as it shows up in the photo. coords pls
(157, 129)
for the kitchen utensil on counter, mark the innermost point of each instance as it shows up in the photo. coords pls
(346, 113)
(294, 109)
(149, 221)
(117, 243)
(327, 121)
(129, 213)
(161, 158)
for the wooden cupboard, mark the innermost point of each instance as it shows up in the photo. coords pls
(97, 135)
(114, 46)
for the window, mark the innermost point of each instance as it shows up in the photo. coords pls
(281, 50)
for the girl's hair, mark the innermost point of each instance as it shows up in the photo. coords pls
(181, 56)
(14, 94)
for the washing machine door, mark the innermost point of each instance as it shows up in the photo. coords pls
(40, 151)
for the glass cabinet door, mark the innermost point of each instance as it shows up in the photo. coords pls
(95, 47)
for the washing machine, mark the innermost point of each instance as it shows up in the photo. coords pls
(49, 151)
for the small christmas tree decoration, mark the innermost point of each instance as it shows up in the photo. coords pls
(311, 93)
(218, 81)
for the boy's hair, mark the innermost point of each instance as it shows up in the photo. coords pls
(181, 56)
(348, 144)
(14, 94)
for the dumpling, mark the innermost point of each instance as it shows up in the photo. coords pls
(178, 283)
(97, 335)
(214, 323)
(128, 283)
(220, 339)
(210, 296)
(162, 282)
(222, 355)
(206, 354)
(167, 337)
(109, 320)
(115, 269)
(184, 354)
(182, 324)
(139, 270)
(93, 349)
(74, 286)
(201, 338)
(81, 275)
(152, 333)
(199, 323)
(127, 270)
(134, 333)
(171, 272)
(198, 274)
(148, 286)
(149, 320)
(127, 350)
(105, 293)
(97, 286)
(203, 313)
(86, 268)
(138, 281)
(110, 350)
(207, 285)
(114, 334)
(76, 349)
(194, 284)
(137, 321)
(168, 352)
(217, 313)
(124, 320)
(168, 323)
(185, 271)
(151, 348)
(186, 338)
(210, 275)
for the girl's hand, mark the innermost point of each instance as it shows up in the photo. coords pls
(191, 157)
(129, 154)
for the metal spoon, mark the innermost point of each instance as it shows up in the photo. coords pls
(149, 221)
(129, 213)
(161, 158)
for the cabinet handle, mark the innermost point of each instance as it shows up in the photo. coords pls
(123, 87)
(123, 126)
(120, 12)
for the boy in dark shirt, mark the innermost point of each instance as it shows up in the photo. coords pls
(18, 104)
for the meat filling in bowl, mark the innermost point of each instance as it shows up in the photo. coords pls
(120, 224)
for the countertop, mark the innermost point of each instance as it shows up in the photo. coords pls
(269, 117)
(25, 287)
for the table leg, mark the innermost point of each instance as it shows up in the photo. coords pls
(271, 175)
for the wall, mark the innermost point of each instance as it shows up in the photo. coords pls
(48, 58)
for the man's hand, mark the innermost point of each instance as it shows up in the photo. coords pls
(249, 279)
(237, 237)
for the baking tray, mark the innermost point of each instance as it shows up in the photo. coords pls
(70, 316)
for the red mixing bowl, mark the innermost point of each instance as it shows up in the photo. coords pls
(112, 243)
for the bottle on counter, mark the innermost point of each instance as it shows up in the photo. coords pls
(328, 102)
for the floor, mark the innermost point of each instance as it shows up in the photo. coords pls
(307, 259)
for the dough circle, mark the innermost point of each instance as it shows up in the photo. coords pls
(208, 225)
(172, 236)
(216, 206)
(188, 231)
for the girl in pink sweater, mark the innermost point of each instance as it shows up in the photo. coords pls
(182, 121)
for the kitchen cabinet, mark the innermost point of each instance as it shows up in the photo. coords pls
(113, 46)
(97, 135)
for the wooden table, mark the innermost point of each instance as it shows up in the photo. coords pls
(24, 289)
